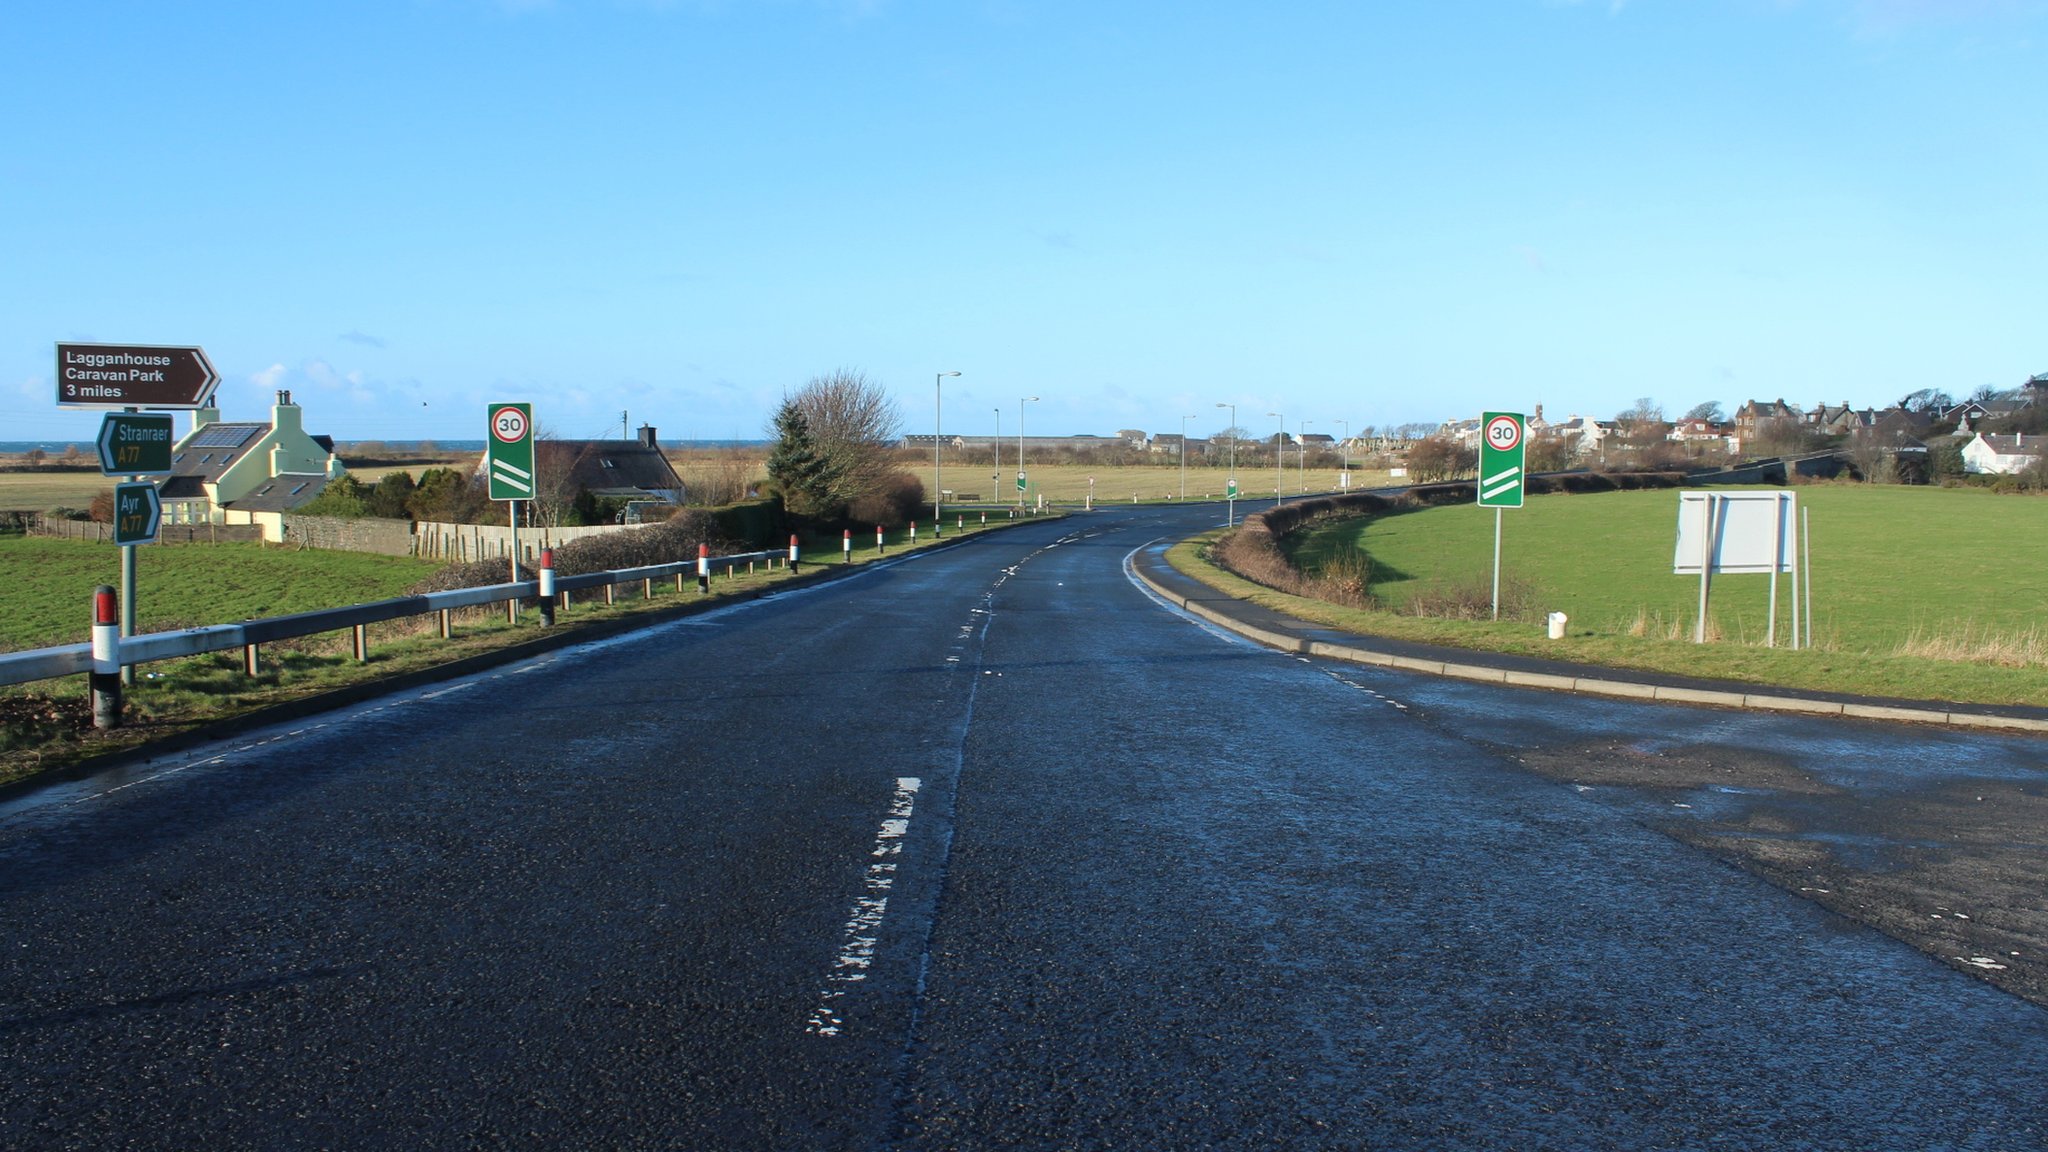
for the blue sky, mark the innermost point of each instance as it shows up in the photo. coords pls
(1365, 212)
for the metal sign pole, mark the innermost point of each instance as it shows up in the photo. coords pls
(1777, 561)
(1699, 628)
(1496, 562)
(127, 587)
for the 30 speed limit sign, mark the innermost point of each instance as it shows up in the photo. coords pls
(1503, 432)
(1501, 449)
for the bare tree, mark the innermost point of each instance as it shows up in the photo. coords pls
(554, 478)
(1707, 410)
(1435, 458)
(852, 424)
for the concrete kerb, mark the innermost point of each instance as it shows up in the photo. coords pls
(1593, 686)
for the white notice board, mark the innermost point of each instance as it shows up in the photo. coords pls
(1751, 531)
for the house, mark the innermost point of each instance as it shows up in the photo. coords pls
(1756, 414)
(1832, 419)
(1318, 440)
(244, 472)
(608, 469)
(1988, 454)
(1698, 432)
(1587, 436)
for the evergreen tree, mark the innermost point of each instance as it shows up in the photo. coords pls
(798, 468)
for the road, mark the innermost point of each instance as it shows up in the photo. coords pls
(982, 849)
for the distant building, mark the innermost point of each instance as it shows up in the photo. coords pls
(1988, 454)
(244, 472)
(609, 469)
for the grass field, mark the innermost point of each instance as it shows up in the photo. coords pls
(50, 584)
(1916, 590)
(1115, 484)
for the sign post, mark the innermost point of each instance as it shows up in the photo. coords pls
(509, 464)
(1503, 446)
(131, 377)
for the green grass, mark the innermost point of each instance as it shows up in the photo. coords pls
(47, 724)
(50, 583)
(1918, 593)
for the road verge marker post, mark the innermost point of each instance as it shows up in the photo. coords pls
(792, 553)
(846, 545)
(547, 587)
(704, 568)
(105, 679)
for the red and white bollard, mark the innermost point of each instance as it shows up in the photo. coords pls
(961, 523)
(547, 587)
(704, 568)
(792, 551)
(104, 680)
(913, 533)
(881, 546)
(846, 544)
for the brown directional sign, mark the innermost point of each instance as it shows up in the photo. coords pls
(133, 376)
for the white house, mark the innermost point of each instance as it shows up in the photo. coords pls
(1986, 453)
(229, 472)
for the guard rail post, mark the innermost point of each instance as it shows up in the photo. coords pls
(105, 677)
(547, 587)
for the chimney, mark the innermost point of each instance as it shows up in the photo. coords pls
(647, 436)
(286, 414)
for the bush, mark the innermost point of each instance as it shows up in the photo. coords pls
(666, 543)
(894, 501)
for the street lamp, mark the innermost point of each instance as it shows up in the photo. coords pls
(1344, 445)
(996, 477)
(1279, 459)
(1301, 456)
(938, 473)
(1184, 456)
(1230, 492)
(1020, 448)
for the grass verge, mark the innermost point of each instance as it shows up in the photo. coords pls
(1889, 674)
(47, 726)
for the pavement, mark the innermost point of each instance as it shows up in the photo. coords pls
(1291, 634)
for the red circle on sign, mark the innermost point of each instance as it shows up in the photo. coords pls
(508, 425)
(1503, 433)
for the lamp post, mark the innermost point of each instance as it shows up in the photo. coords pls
(1279, 460)
(1020, 448)
(1301, 456)
(1184, 456)
(1344, 446)
(938, 473)
(1230, 492)
(996, 477)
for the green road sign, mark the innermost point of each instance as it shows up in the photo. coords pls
(1020, 481)
(1230, 489)
(511, 451)
(135, 444)
(1503, 442)
(136, 513)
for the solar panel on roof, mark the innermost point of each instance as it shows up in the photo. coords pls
(223, 436)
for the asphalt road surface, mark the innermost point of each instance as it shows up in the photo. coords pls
(989, 849)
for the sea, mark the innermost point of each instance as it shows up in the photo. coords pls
(385, 447)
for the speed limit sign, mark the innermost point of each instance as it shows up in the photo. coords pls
(1501, 450)
(1503, 432)
(509, 424)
